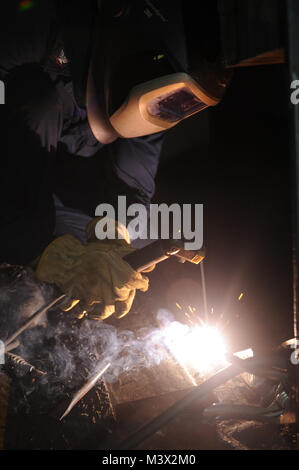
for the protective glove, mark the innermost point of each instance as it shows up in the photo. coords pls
(94, 274)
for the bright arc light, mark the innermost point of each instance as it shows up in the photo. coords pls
(200, 348)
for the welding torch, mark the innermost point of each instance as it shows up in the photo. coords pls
(160, 250)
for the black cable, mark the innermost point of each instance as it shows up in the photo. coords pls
(199, 392)
(238, 366)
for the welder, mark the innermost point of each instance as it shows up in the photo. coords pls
(56, 59)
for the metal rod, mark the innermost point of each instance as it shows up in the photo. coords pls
(258, 367)
(12, 346)
(84, 390)
(204, 291)
(20, 361)
(228, 411)
(34, 317)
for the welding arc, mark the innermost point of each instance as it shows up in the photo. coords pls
(33, 318)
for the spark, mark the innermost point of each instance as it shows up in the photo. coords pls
(178, 306)
(240, 296)
(72, 305)
(82, 314)
(194, 314)
(159, 57)
(201, 321)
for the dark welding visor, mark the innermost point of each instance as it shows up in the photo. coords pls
(140, 80)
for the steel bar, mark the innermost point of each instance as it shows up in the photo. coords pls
(33, 318)
(204, 291)
(15, 360)
(241, 411)
(84, 390)
(12, 346)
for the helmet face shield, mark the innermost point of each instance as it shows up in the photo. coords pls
(175, 105)
(160, 104)
(141, 76)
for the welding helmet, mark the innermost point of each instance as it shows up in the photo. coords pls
(143, 77)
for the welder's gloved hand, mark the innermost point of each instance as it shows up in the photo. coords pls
(94, 274)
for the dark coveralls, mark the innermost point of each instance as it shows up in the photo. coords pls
(44, 56)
